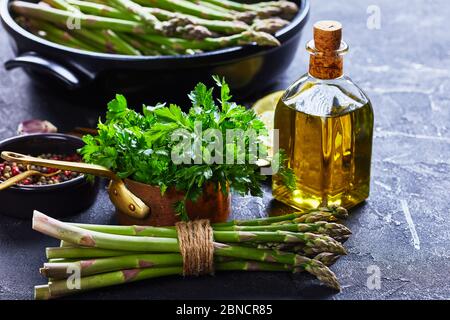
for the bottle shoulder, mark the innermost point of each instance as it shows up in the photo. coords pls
(330, 97)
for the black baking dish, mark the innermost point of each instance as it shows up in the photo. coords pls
(247, 69)
(57, 200)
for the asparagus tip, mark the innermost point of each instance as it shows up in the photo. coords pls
(262, 38)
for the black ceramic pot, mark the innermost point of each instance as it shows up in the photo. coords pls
(57, 200)
(247, 69)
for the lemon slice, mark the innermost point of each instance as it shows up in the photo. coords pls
(265, 109)
(267, 103)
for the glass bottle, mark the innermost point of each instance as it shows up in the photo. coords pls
(325, 124)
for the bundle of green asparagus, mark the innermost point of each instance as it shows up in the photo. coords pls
(106, 255)
(154, 27)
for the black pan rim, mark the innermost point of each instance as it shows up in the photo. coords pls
(62, 185)
(282, 35)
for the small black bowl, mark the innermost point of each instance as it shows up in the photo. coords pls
(57, 200)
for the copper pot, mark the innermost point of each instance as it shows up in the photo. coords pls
(212, 205)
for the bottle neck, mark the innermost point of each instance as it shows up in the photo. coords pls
(326, 64)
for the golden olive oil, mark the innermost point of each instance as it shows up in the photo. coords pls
(325, 127)
(330, 156)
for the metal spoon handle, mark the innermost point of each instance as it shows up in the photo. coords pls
(62, 165)
(17, 178)
(120, 196)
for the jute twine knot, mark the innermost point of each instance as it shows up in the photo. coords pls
(195, 239)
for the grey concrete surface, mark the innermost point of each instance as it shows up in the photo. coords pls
(403, 229)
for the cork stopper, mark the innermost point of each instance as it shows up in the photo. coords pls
(325, 61)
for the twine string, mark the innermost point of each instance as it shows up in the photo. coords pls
(196, 242)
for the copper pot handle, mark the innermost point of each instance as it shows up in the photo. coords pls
(120, 196)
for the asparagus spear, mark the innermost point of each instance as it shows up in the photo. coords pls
(108, 39)
(59, 288)
(59, 270)
(263, 8)
(99, 9)
(135, 9)
(314, 267)
(31, 10)
(332, 213)
(95, 266)
(319, 242)
(321, 227)
(187, 7)
(288, 8)
(270, 25)
(104, 39)
(213, 6)
(53, 34)
(244, 38)
(61, 4)
(83, 237)
(222, 26)
(327, 258)
(226, 27)
(222, 250)
(145, 48)
(82, 253)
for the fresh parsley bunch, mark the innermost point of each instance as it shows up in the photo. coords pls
(139, 146)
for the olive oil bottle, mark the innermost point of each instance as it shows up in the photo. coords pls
(325, 126)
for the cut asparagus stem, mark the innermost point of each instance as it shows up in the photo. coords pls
(42, 292)
(82, 237)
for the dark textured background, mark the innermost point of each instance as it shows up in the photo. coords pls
(405, 69)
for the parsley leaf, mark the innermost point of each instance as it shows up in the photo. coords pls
(139, 146)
